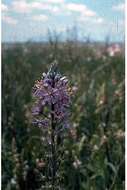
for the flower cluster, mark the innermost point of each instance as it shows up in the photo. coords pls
(52, 94)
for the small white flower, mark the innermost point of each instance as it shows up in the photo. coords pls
(13, 181)
(77, 163)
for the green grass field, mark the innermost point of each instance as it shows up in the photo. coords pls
(94, 146)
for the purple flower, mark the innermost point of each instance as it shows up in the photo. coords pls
(52, 96)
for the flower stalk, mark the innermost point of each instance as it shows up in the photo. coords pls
(53, 144)
(52, 100)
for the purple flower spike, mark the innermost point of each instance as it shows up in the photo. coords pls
(52, 89)
(51, 113)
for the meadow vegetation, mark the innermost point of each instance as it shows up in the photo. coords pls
(93, 147)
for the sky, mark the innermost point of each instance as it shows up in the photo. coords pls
(24, 20)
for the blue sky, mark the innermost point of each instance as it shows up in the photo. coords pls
(23, 20)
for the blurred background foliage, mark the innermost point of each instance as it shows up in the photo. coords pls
(93, 151)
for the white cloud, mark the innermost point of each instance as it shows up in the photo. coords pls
(9, 20)
(21, 6)
(76, 7)
(40, 17)
(99, 20)
(54, 1)
(89, 13)
(119, 7)
(91, 20)
(47, 7)
(39, 6)
(56, 9)
(80, 8)
(53, 6)
(27, 7)
(4, 7)
(44, 6)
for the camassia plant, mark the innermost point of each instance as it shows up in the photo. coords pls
(52, 96)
